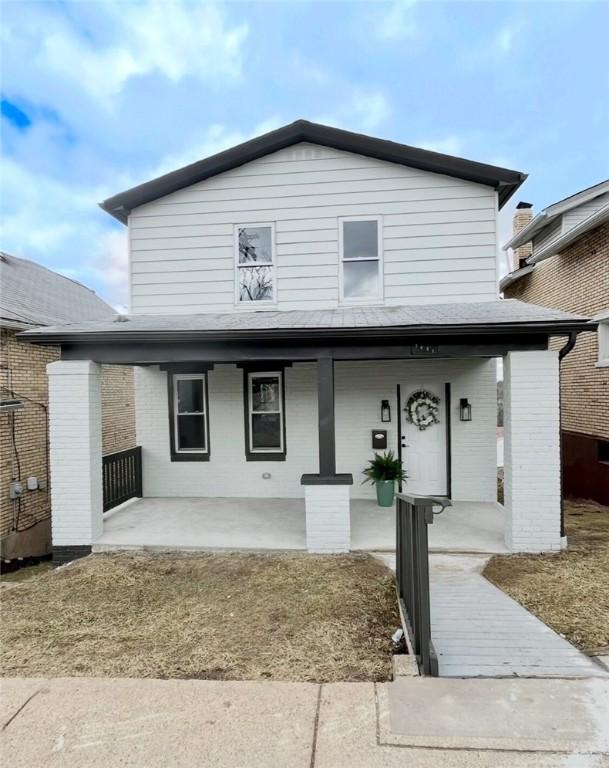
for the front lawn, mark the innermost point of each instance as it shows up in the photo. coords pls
(215, 616)
(569, 591)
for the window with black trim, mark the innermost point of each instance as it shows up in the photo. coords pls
(264, 416)
(188, 417)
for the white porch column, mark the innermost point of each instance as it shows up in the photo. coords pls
(532, 451)
(328, 518)
(75, 444)
(327, 507)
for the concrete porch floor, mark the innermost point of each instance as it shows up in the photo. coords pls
(279, 524)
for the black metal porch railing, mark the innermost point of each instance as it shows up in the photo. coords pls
(413, 515)
(122, 476)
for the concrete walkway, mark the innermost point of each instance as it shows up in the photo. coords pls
(89, 723)
(479, 631)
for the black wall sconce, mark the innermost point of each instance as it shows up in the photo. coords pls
(385, 411)
(465, 410)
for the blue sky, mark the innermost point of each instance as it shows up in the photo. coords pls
(98, 96)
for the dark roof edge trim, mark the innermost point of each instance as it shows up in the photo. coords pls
(513, 277)
(504, 180)
(556, 327)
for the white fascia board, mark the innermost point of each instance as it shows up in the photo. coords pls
(512, 277)
(562, 206)
(548, 214)
(556, 245)
(527, 233)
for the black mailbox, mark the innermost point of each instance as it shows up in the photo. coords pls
(379, 438)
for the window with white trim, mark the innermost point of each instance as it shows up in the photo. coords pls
(361, 258)
(190, 428)
(265, 415)
(255, 264)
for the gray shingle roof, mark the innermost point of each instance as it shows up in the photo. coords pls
(240, 324)
(32, 295)
(505, 181)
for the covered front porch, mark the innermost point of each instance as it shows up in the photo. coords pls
(196, 524)
(287, 410)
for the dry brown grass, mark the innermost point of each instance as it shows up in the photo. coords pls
(23, 574)
(569, 591)
(218, 616)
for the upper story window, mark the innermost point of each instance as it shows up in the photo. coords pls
(255, 263)
(189, 417)
(361, 259)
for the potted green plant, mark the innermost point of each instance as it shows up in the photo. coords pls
(383, 471)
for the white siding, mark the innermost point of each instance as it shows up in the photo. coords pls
(575, 216)
(546, 235)
(360, 387)
(439, 233)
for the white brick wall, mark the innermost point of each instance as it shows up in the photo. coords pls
(532, 451)
(227, 473)
(75, 432)
(328, 518)
(360, 387)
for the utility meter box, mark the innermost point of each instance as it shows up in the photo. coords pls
(379, 439)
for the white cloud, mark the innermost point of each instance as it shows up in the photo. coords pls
(494, 47)
(214, 139)
(504, 39)
(448, 145)
(175, 40)
(505, 230)
(60, 225)
(398, 21)
(364, 110)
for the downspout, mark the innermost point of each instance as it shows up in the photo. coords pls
(563, 352)
(568, 346)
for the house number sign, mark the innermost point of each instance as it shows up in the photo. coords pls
(424, 349)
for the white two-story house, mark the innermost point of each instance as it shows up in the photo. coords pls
(290, 300)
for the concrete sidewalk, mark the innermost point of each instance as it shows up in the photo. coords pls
(82, 722)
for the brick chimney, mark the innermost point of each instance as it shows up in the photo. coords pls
(522, 216)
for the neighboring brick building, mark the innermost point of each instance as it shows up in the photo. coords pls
(30, 296)
(567, 267)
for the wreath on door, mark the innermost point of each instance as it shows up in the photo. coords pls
(422, 409)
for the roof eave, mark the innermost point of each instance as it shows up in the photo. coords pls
(527, 233)
(505, 181)
(593, 221)
(557, 327)
(513, 277)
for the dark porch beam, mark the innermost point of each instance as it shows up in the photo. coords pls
(155, 353)
(325, 409)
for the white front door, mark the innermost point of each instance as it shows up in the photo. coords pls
(424, 450)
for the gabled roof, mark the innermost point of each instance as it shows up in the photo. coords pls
(552, 212)
(32, 295)
(499, 316)
(505, 181)
(562, 241)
